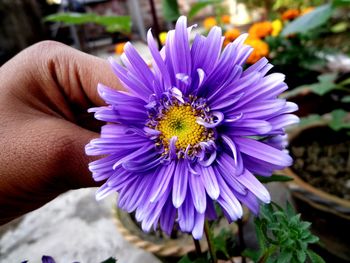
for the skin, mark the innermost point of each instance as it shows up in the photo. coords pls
(45, 92)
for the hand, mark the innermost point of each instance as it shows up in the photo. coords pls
(45, 92)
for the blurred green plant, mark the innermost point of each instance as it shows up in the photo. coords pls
(171, 10)
(111, 23)
(283, 237)
(305, 23)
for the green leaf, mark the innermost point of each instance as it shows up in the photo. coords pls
(338, 3)
(338, 120)
(284, 257)
(309, 21)
(315, 258)
(339, 27)
(274, 178)
(325, 84)
(112, 23)
(301, 255)
(346, 99)
(109, 260)
(200, 5)
(312, 239)
(309, 120)
(220, 242)
(170, 10)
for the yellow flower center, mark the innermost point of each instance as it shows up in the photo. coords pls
(180, 121)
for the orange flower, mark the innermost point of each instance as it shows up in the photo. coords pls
(232, 34)
(290, 14)
(260, 29)
(261, 49)
(119, 48)
(307, 10)
(226, 19)
(209, 22)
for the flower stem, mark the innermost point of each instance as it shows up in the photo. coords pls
(242, 245)
(197, 246)
(211, 247)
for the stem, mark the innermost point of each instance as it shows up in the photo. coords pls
(242, 245)
(155, 23)
(211, 247)
(197, 245)
(267, 253)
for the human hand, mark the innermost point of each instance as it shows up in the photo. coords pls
(45, 92)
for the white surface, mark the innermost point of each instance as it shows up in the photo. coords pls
(73, 227)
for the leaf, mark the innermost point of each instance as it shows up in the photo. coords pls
(346, 99)
(309, 21)
(312, 239)
(109, 260)
(301, 255)
(338, 120)
(315, 258)
(170, 10)
(274, 178)
(284, 257)
(339, 27)
(337, 3)
(199, 6)
(311, 119)
(112, 23)
(325, 84)
(220, 242)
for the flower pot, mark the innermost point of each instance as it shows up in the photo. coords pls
(329, 213)
(166, 248)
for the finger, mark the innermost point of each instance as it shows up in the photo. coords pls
(74, 72)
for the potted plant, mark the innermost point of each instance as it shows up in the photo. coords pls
(321, 172)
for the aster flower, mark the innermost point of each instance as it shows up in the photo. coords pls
(190, 132)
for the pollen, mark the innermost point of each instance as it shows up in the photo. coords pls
(180, 121)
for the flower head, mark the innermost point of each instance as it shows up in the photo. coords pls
(226, 19)
(190, 132)
(276, 27)
(307, 10)
(260, 29)
(290, 14)
(162, 37)
(119, 48)
(260, 49)
(209, 22)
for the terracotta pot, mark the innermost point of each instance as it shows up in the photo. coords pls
(329, 214)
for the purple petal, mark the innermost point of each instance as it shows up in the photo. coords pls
(263, 152)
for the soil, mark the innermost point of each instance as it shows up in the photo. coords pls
(322, 158)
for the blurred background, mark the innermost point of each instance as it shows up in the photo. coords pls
(307, 40)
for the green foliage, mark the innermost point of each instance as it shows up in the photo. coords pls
(340, 120)
(170, 10)
(274, 178)
(200, 5)
(309, 120)
(283, 237)
(305, 23)
(112, 23)
(338, 3)
(346, 99)
(186, 259)
(326, 84)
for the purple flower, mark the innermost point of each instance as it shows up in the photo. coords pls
(191, 132)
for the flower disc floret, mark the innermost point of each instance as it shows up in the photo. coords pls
(180, 121)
